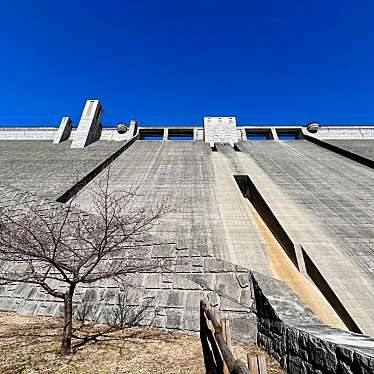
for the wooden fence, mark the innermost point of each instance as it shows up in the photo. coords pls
(216, 343)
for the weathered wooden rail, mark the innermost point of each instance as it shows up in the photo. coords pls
(216, 344)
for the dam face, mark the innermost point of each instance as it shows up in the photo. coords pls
(291, 206)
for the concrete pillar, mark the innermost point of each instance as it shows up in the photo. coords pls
(89, 128)
(198, 134)
(64, 130)
(133, 128)
(274, 133)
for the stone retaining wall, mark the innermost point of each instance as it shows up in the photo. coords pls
(294, 336)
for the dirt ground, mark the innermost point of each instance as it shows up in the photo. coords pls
(29, 345)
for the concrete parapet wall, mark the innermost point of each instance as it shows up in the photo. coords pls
(343, 132)
(113, 135)
(290, 333)
(27, 133)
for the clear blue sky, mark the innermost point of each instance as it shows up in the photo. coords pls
(174, 61)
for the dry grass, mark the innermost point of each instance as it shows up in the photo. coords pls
(29, 345)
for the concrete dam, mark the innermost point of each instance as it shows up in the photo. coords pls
(278, 217)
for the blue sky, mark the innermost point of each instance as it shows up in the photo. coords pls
(172, 62)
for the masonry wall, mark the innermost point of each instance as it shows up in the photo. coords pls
(299, 341)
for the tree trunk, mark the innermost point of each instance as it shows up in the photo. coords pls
(68, 322)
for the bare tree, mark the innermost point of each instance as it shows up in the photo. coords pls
(62, 247)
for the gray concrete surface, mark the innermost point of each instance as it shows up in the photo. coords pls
(49, 169)
(361, 147)
(325, 202)
(212, 216)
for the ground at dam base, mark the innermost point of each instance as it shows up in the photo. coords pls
(29, 345)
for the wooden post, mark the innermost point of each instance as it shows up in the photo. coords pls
(240, 368)
(233, 366)
(228, 336)
(252, 364)
(262, 365)
(257, 364)
(224, 334)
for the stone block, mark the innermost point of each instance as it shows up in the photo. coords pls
(167, 280)
(192, 320)
(292, 340)
(42, 309)
(193, 300)
(241, 269)
(279, 345)
(183, 252)
(159, 321)
(365, 363)
(303, 340)
(209, 265)
(183, 265)
(197, 262)
(228, 267)
(162, 250)
(294, 364)
(195, 252)
(206, 281)
(227, 284)
(322, 354)
(217, 265)
(307, 368)
(29, 308)
(32, 293)
(243, 279)
(180, 282)
(245, 297)
(214, 299)
(174, 319)
(51, 309)
(343, 368)
(345, 354)
(228, 305)
(243, 326)
(152, 280)
(173, 298)
(5, 303)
